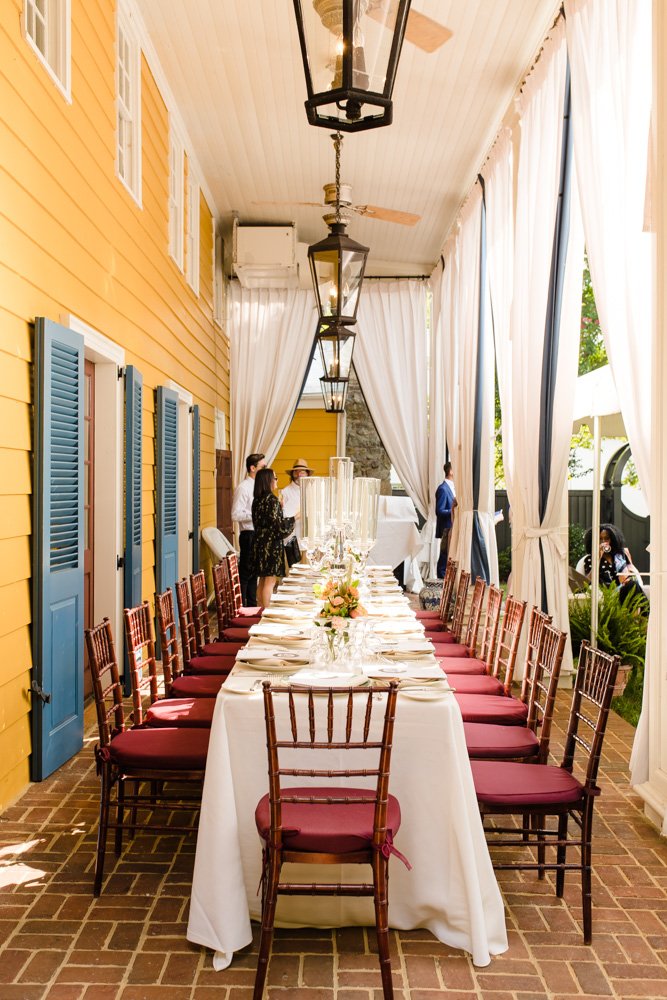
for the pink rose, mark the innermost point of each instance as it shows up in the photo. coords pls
(336, 602)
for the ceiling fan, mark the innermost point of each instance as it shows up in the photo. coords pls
(347, 208)
(422, 31)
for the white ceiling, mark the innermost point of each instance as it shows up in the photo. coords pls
(234, 67)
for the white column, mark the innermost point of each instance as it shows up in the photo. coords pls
(654, 791)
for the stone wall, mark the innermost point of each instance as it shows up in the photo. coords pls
(362, 442)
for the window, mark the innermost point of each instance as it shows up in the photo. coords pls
(176, 199)
(46, 25)
(128, 89)
(218, 281)
(192, 237)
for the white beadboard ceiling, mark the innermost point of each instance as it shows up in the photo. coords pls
(234, 68)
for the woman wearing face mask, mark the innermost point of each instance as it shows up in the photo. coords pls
(614, 561)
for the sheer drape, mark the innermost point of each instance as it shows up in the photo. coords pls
(540, 543)
(390, 358)
(610, 56)
(463, 436)
(271, 336)
(436, 421)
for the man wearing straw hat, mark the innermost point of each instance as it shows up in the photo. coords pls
(292, 494)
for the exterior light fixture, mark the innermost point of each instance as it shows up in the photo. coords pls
(336, 344)
(350, 51)
(337, 265)
(334, 391)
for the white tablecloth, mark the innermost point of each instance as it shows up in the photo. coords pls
(398, 539)
(451, 889)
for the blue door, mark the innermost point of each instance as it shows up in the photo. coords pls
(166, 514)
(132, 563)
(57, 579)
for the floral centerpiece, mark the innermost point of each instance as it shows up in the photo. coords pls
(341, 605)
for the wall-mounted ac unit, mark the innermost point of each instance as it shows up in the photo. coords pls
(265, 256)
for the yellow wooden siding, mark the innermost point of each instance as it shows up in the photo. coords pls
(312, 435)
(72, 240)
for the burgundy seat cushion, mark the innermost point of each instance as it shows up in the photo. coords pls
(438, 627)
(453, 650)
(502, 784)
(181, 712)
(329, 829)
(485, 740)
(470, 667)
(250, 612)
(467, 684)
(230, 635)
(430, 615)
(223, 648)
(197, 686)
(161, 749)
(491, 708)
(244, 621)
(211, 664)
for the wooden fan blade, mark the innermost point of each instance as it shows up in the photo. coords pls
(421, 30)
(425, 33)
(387, 215)
(307, 204)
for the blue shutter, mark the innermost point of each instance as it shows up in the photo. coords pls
(196, 488)
(166, 527)
(132, 563)
(57, 579)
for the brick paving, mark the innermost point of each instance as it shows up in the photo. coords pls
(57, 942)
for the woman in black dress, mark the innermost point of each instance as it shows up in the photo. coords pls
(267, 554)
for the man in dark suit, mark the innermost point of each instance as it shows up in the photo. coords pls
(445, 502)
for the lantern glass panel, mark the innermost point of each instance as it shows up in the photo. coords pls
(324, 265)
(351, 278)
(334, 392)
(336, 350)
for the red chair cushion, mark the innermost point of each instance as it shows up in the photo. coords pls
(197, 686)
(250, 612)
(244, 621)
(502, 784)
(328, 829)
(485, 740)
(496, 709)
(440, 628)
(452, 650)
(161, 749)
(181, 712)
(467, 684)
(430, 615)
(469, 668)
(232, 635)
(211, 664)
(222, 648)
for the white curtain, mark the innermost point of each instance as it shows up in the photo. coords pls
(542, 106)
(610, 55)
(465, 330)
(390, 358)
(271, 333)
(437, 437)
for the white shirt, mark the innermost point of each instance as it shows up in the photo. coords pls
(291, 504)
(242, 504)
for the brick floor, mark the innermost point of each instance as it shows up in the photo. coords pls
(57, 942)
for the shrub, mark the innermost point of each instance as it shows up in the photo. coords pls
(505, 563)
(576, 547)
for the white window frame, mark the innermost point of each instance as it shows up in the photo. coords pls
(176, 198)
(218, 281)
(55, 52)
(192, 236)
(128, 105)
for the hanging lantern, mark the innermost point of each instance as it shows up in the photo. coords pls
(336, 344)
(337, 264)
(334, 391)
(350, 51)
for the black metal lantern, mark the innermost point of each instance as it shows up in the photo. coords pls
(350, 51)
(337, 265)
(336, 344)
(334, 391)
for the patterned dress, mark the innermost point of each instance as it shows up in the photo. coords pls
(267, 556)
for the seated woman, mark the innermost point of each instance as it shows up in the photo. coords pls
(614, 562)
(267, 557)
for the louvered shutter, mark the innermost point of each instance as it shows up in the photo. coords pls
(196, 488)
(166, 528)
(57, 630)
(132, 562)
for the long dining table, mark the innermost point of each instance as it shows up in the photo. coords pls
(450, 889)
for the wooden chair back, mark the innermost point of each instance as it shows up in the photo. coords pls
(223, 594)
(140, 642)
(544, 685)
(591, 701)
(349, 711)
(490, 631)
(107, 687)
(186, 621)
(474, 615)
(200, 608)
(233, 565)
(166, 624)
(447, 589)
(460, 604)
(538, 619)
(508, 643)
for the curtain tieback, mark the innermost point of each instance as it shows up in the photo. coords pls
(554, 534)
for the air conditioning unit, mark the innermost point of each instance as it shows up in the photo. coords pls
(265, 256)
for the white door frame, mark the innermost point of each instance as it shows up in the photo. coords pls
(108, 541)
(185, 472)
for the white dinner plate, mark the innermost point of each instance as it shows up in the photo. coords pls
(254, 656)
(277, 630)
(427, 692)
(311, 677)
